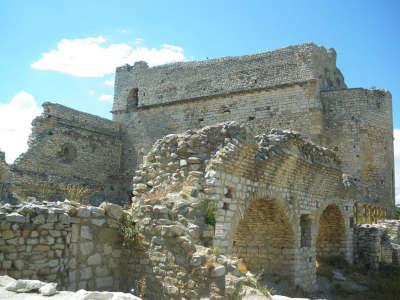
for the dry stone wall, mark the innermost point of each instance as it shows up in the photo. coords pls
(377, 244)
(79, 247)
(70, 148)
(5, 180)
(215, 176)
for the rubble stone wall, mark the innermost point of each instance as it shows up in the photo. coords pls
(70, 147)
(5, 180)
(77, 247)
(225, 166)
(377, 244)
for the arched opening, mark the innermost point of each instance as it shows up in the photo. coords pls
(133, 99)
(67, 153)
(264, 239)
(331, 235)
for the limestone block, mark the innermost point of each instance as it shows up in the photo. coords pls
(104, 282)
(39, 219)
(86, 248)
(96, 211)
(98, 222)
(113, 210)
(218, 271)
(15, 218)
(86, 273)
(86, 233)
(102, 271)
(75, 233)
(65, 218)
(94, 259)
(6, 280)
(83, 212)
(48, 289)
(24, 286)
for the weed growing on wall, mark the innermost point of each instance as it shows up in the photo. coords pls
(210, 211)
(128, 230)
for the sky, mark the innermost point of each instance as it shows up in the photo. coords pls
(67, 51)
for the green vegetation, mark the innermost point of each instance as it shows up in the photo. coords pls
(128, 230)
(210, 211)
(397, 212)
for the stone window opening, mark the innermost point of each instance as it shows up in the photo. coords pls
(67, 153)
(305, 227)
(133, 99)
(225, 206)
(228, 192)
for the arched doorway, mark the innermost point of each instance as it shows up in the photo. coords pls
(264, 239)
(331, 235)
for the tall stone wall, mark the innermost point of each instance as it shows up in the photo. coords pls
(192, 80)
(68, 147)
(297, 87)
(358, 125)
(292, 107)
(77, 247)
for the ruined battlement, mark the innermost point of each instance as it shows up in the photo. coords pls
(71, 117)
(192, 80)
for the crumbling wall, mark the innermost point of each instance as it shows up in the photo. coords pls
(68, 147)
(358, 125)
(377, 244)
(193, 80)
(212, 177)
(77, 247)
(5, 180)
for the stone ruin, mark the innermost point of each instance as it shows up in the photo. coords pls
(213, 192)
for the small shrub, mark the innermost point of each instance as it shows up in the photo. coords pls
(263, 289)
(210, 211)
(128, 230)
(215, 250)
(397, 212)
(77, 193)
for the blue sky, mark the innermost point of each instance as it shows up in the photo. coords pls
(66, 51)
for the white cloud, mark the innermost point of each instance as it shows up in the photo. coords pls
(106, 98)
(94, 57)
(15, 124)
(109, 83)
(396, 133)
(91, 92)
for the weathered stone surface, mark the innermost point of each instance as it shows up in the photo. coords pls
(48, 289)
(230, 185)
(113, 210)
(6, 280)
(94, 259)
(15, 218)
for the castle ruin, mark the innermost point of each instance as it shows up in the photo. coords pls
(269, 157)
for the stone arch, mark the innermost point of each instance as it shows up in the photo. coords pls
(331, 234)
(264, 239)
